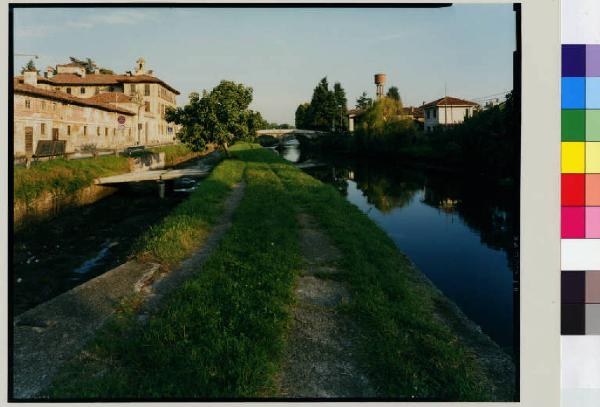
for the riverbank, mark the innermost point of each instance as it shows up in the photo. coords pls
(53, 255)
(48, 187)
(223, 333)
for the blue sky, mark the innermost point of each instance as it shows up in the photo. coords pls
(283, 53)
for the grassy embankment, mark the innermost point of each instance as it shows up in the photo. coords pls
(222, 333)
(175, 153)
(63, 177)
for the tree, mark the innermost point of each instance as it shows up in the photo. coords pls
(29, 67)
(341, 103)
(394, 93)
(364, 102)
(326, 109)
(301, 117)
(220, 116)
(322, 111)
(90, 66)
(381, 127)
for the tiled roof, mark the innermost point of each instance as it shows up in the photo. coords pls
(449, 101)
(71, 64)
(110, 97)
(64, 97)
(65, 79)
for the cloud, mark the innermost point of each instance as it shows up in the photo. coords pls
(96, 17)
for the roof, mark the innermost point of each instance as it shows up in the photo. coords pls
(63, 79)
(355, 112)
(450, 101)
(64, 97)
(110, 97)
(72, 64)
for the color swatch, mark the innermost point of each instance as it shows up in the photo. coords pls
(580, 184)
(580, 298)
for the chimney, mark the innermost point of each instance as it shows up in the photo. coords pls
(49, 72)
(96, 71)
(30, 78)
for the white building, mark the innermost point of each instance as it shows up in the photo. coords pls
(447, 111)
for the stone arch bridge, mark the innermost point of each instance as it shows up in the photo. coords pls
(289, 133)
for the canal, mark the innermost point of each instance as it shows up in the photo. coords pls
(457, 229)
(54, 255)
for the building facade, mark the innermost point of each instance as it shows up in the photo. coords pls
(447, 111)
(41, 114)
(139, 97)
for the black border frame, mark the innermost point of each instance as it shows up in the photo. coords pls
(517, 72)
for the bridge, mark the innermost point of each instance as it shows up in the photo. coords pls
(284, 133)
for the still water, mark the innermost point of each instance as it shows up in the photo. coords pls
(457, 229)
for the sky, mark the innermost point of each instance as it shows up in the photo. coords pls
(465, 50)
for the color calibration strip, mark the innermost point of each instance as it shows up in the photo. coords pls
(580, 183)
(580, 191)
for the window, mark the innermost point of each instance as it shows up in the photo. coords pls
(68, 130)
(85, 130)
(114, 131)
(434, 113)
(43, 129)
(43, 105)
(147, 106)
(69, 91)
(132, 90)
(27, 104)
(82, 90)
(147, 89)
(98, 130)
(106, 132)
(97, 90)
(53, 106)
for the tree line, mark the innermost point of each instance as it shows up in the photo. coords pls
(326, 111)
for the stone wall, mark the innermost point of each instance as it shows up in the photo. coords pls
(50, 204)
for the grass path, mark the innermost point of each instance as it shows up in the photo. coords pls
(224, 332)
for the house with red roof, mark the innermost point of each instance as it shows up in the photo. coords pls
(447, 111)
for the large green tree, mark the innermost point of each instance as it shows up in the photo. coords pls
(381, 127)
(326, 109)
(220, 117)
(301, 118)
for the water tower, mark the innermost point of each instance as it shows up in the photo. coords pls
(379, 81)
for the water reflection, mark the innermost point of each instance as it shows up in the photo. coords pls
(459, 230)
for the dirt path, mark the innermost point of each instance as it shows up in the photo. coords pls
(320, 357)
(167, 282)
